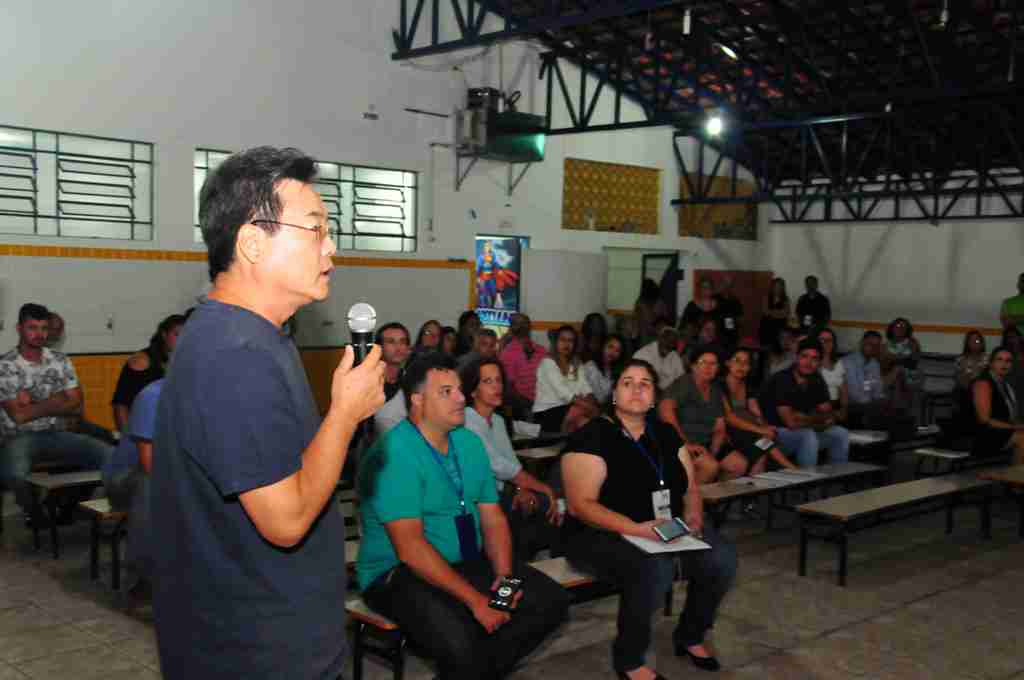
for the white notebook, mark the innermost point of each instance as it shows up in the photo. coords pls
(654, 546)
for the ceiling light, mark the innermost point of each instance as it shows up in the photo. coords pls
(729, 52)
(686, 22)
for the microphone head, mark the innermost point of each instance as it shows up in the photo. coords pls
(362, 318)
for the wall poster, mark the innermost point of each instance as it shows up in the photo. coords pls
(499, 264)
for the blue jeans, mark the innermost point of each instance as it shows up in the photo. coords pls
(17, 456)
(644, 579)
(805, 443)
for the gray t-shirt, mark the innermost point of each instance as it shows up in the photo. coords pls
(696, 416)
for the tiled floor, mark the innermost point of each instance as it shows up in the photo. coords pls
(919, 605)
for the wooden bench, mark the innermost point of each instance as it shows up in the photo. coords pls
(393, 647)
(1012, 477)
(835, 518)
(106, 523)
(719, 497)
(955, 461)
(56, 487)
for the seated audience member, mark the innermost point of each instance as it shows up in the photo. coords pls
(485, 346)
(1014, 341)
(705, 304)
(55, 332)
(428, 339)
(730, 312)
(867, 405)
(593, 333)
(997, 409)
(602, 369)
(694, 406)
(900, 355)
(796, 402)
(145, 366)
(449, 340)
(834, 373)
(126, 480)
(745, 423)
(1011, 312)
(393, 339)
(435, 541)
(649, 307)
(38, 391)
(662, 354)
(783, 352)
(776, 315)
(813, 310)
(565, 400)
(708, 333)
(520, 356)
(529, 504)
(973, 360)
(624, 474)
(469, 325)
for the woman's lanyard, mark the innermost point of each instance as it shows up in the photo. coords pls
(657, 466)
(458, 486)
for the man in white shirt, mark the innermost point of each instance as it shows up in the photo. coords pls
(662, 354)
(394, 341)
(39, 391)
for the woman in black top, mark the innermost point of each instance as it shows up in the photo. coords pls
(611, 470)
(997, 409)
(145, 366)
(776, 313)
(706, 305)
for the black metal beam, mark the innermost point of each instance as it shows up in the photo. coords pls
(553, 20)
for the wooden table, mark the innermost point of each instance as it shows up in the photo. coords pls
(835, 518)
(718, 497)
(1013, 477)
(56, 486)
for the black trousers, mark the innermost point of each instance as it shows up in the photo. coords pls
(446, 629)
(644, 578)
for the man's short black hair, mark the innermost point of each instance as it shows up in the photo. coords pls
(488, 332)
(33, 311)
(241, 189)
(870, 334)
(415, 375)
(394, 325)
(809, 343)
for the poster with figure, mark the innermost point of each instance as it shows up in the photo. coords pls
(499, 261)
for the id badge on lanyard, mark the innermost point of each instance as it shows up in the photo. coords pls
(465, 526)
(661, 500)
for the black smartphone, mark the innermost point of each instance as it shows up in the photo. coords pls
(671, 529)
(504, 595)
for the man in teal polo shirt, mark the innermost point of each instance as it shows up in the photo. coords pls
(1012, 311)
(435, 541)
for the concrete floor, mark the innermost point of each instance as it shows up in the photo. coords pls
(919, 605)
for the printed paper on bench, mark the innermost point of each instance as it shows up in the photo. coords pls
(863, 437)
(650, 545)
(791, 475)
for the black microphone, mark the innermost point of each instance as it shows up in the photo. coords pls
(362, 320)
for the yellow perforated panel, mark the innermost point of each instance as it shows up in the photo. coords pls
(718, 221)
(610, 197)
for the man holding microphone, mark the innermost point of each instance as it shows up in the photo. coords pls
(249, 577)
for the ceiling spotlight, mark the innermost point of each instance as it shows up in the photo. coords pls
(729, 52)
(687, 16)
(714, 125)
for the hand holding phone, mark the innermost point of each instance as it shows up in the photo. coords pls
(503, 597)
(671, 529)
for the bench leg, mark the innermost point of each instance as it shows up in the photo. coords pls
(842, 557)
(986, 517)
(357, 652)
(36, 513)
(115, 558)
(94, 550)
(803, 551)
(949, 516)
(51, 507)
(1020, 507)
